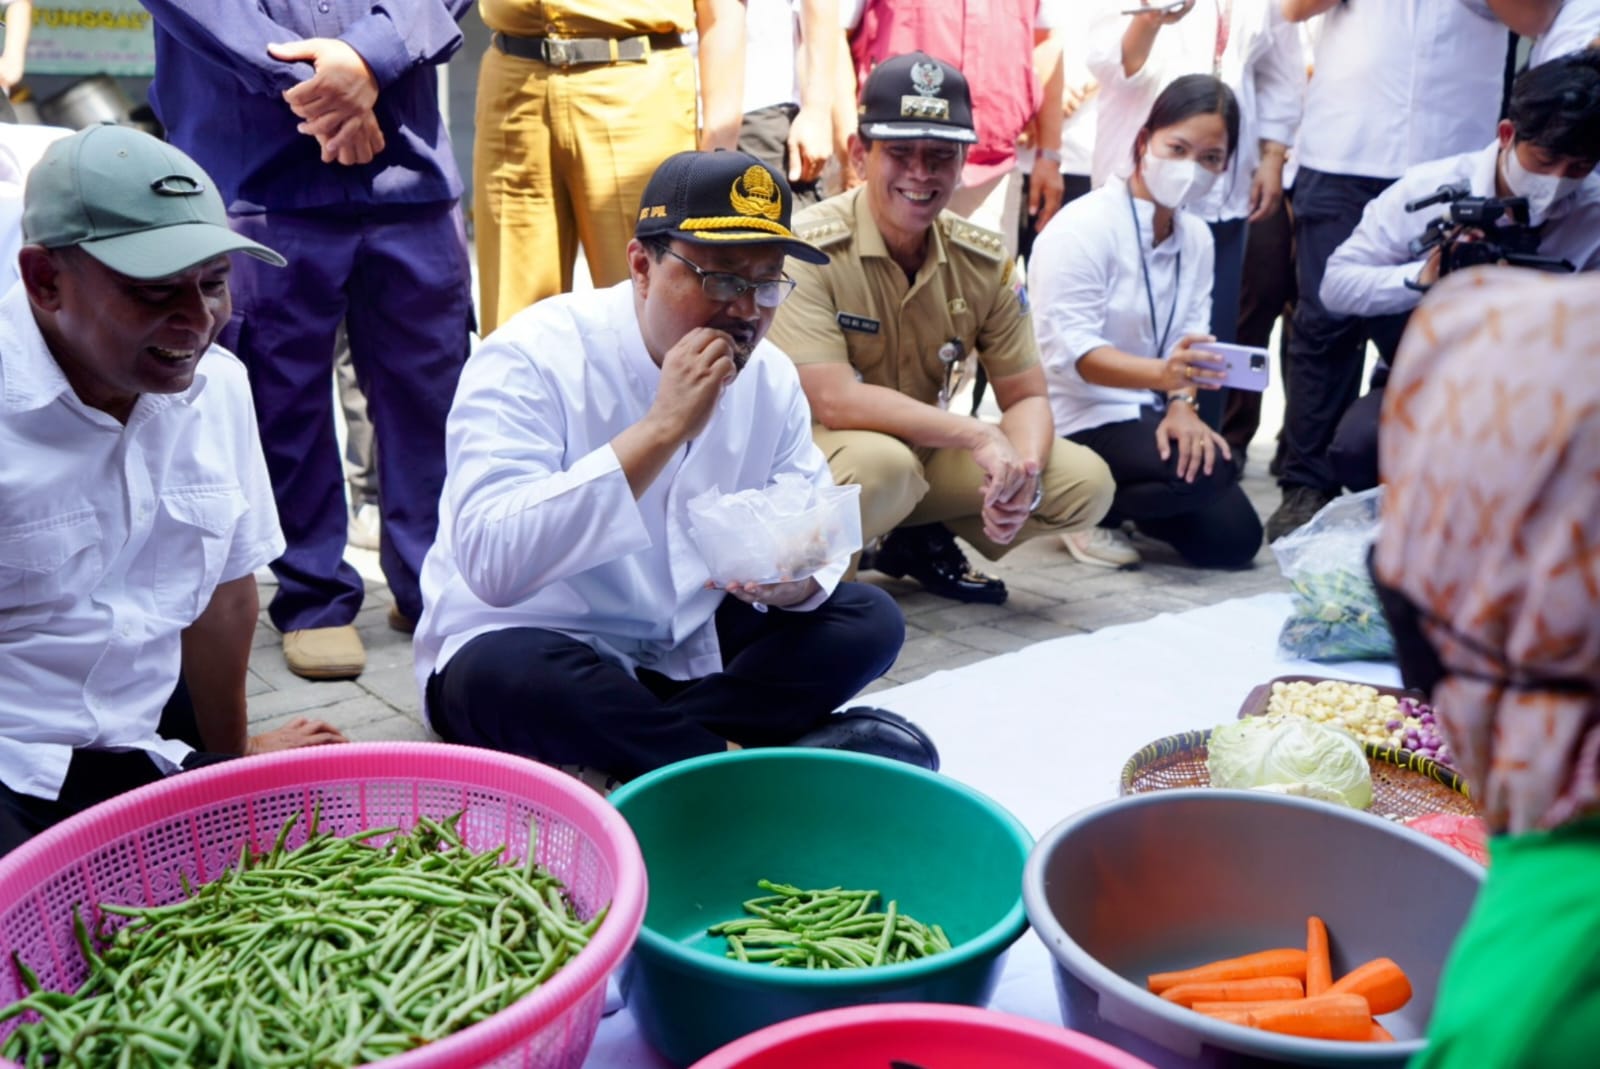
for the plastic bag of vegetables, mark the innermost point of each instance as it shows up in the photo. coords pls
(1335, 615)
(1291, 755)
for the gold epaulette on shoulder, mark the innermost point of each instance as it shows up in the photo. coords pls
(824, 232)
(971, 236)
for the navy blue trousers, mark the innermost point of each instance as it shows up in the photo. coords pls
(546, 696)
(400, 279)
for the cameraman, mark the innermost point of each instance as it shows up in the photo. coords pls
(1545, 151)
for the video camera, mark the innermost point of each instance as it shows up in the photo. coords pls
(1480, 230)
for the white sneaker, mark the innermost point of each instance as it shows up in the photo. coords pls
(1101, 547)
(364, 524)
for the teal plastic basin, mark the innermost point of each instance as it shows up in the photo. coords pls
(711, 827)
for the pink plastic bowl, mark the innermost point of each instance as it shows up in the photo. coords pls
(133, 849)
(916, 1034)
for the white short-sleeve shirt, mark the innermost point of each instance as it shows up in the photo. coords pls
(112, 539)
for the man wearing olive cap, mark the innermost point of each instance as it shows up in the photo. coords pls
(134, 501)
(567, 615)
(884, 331)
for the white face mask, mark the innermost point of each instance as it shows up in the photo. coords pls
(1175, 183)
(1542, 190)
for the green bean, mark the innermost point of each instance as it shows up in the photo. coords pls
(828, 928)
(337, 951)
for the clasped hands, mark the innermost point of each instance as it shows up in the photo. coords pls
(1010, 483)
(336, 102)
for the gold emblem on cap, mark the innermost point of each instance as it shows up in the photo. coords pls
(755, 193)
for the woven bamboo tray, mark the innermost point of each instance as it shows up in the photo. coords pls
(1404, 785)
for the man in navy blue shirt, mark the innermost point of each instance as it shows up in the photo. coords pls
(320, 123)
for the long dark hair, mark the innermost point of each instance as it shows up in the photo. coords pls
(1186, 97)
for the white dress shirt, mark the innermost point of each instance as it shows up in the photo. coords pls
(537, 524)
(21, 145)
(1400, 83)
(112, 539)
(1262, 63)
(1366, 276)
(1088, 290)
(1577, 24)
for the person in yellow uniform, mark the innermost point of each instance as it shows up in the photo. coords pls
(883, 332)
(578, 102)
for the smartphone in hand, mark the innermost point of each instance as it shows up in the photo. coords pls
(1157, 9)
(1244, 367)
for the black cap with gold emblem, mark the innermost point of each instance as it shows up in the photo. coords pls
(916, 95)
(721, 198)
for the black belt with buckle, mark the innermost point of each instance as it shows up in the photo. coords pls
(579, 51)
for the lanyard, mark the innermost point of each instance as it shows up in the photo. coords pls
(1149, 290)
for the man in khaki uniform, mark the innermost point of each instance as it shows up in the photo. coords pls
(578, 102)
(881, 332)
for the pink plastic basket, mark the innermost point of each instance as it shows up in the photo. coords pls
(133, 850)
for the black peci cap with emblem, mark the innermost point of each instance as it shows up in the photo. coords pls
(916, 95)
(721, 198)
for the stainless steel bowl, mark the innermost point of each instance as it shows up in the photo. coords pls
(1167, 880)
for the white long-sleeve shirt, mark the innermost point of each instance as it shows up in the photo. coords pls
(1088, 290)
(113, 538)
(537, 524)
(1366, 275)
(1400, 83)
(1262, 63)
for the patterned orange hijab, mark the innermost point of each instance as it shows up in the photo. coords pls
(1491, 527)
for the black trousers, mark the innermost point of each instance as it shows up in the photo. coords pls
(1227, 281)
(550, 697)
(1353, 455)
(1322, 372)
(95, 776)
(1210, 522)
(1266, 293)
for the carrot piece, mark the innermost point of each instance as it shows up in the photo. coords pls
(1319, 969)
(1380, 981)
(1323, 1017)
(1258, 989)
(1380, 1034)
(1285, 961)
(1232, 1016)
(1209, 1008)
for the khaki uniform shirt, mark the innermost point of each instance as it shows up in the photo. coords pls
(860, 308)
(587, 18)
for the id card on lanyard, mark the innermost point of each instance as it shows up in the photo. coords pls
(1156, 331)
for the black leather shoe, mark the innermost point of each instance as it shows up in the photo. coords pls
(864, 729)
(928, 553)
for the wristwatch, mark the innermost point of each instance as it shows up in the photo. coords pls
(1179, 397)
(1051, 154)
(1038, 496)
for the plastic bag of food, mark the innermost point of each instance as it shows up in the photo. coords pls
(788, 530)
(1335, 612)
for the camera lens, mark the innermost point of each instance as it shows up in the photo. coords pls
(1258, 362)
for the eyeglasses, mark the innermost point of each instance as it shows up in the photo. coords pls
(725, 288)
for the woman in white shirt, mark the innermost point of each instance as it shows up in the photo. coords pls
(1121, 289)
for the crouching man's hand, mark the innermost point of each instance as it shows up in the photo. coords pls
(292, 736)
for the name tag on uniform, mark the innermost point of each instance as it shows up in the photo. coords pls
(863, 324)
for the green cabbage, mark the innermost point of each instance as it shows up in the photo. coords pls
(1260, 751)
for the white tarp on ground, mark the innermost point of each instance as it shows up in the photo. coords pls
(1045, 732)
